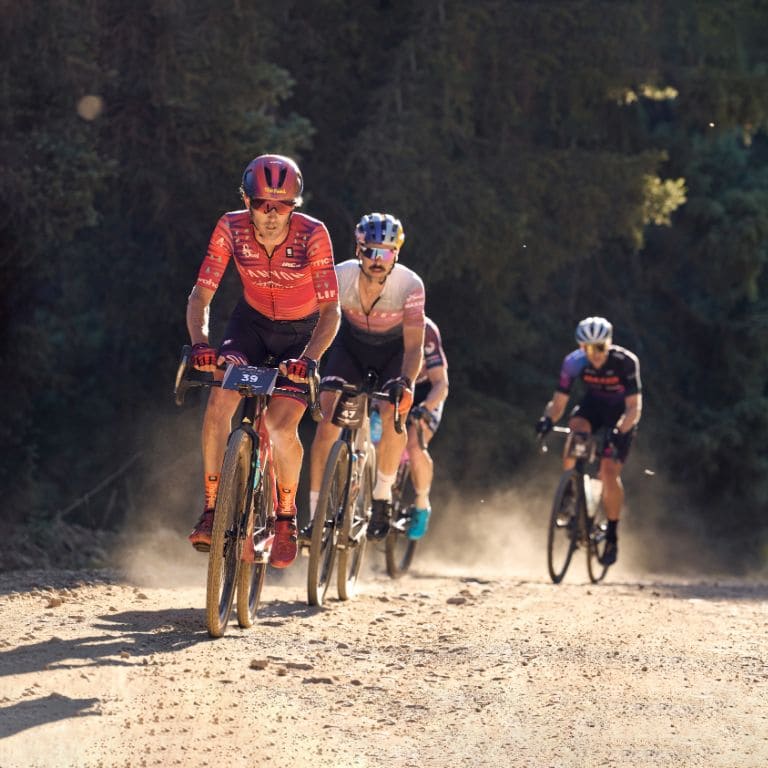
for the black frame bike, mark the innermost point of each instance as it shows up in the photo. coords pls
(344, 505)
(577, 518)
(244, 518)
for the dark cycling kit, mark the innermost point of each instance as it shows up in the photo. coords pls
(607, 389)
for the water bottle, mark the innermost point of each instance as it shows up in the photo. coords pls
(594, 491)
(375, 427)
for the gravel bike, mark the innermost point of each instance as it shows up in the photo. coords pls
(244, 518)
(578, 518)
(345, 501)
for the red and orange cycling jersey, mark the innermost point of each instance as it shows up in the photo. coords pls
(291, 283)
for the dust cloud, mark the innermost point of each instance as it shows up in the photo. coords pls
(153, 549)
(502, 533)
(498, 533)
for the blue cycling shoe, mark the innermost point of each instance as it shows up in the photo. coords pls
(419, 521)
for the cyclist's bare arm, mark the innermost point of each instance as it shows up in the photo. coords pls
(438, 379)
(413, 350)
(555, 408)
(198, 314)
(633, 406)
(325, 330)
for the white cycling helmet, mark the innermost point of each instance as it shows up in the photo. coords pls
(593, 330)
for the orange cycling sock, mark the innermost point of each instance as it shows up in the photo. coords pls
(211, 490)
(286, 500)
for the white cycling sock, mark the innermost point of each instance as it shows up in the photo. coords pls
(422, 499)
(313, 497)
(383, 488)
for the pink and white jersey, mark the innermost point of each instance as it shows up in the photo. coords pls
(401, 302)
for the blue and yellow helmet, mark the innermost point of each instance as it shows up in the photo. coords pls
(380, 229)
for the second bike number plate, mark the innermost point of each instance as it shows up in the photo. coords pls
(257, 381)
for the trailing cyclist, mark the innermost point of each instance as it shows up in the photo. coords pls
(613, 401)
(289, 310)
(430, 393)
(382, 329)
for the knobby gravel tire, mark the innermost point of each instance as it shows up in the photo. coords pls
(398, 548)
(325, 527)
(352, 536)
(562, 534)
(226, 543)
(250, 581)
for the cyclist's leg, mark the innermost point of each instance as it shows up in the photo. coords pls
(613, 490)
(340, 367)
(283, 417)
(216, 428)
(326, 434)
(422, 466)
(388, 363)
(217, 424)
(422, 470)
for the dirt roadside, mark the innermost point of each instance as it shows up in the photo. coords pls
(442, 668)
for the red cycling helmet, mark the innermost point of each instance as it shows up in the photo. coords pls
(273, 177)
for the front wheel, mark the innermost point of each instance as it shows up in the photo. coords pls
(399, 549)
(227, 538)
(352, 537)
(325, 526)
(251, 578)
(563, 533)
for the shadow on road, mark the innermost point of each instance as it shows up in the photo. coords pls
(126, 636)
(29, 714)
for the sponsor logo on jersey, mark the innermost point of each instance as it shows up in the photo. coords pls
(275, 274)
(603, 381)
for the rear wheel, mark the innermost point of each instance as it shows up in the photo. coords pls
(399, 549)
(597, 531)
(325, 530)
(251, 577)
(352, 536)
(226, 537)
(563, 534)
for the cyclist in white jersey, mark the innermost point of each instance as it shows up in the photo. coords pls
(382, 329)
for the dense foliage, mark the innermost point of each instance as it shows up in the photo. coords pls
(549, 160)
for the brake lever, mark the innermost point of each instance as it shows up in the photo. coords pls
(180, 386)
(314, 404)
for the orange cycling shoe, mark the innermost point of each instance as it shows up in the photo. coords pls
(201, 533)
(285, 546)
